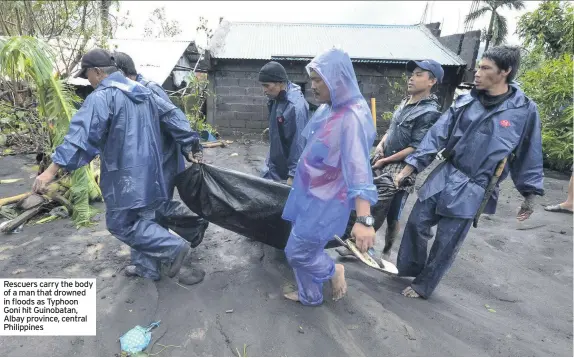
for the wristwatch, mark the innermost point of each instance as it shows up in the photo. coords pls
(366, 220)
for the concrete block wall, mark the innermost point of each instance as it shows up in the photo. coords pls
(239, 105)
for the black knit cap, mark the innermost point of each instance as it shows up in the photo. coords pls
(273, 72)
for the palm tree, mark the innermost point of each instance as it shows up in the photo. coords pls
(497, 28)
(24, 58)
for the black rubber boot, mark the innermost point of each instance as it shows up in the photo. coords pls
(178, 262)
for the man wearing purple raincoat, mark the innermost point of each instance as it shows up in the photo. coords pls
(333, 177)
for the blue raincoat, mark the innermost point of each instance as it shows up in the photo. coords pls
(175, 215)
(476, 139)
(173, 160)
(288, 115)
(333, 171)
(120, 122)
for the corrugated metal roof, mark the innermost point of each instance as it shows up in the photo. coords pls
(154, 58)
(357, 60)
(372, 43)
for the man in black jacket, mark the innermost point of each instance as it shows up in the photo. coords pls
(410, 122)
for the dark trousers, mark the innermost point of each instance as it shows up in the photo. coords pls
(412, 258)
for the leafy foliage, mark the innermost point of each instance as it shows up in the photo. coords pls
(67, 26)
(191, 101)
(550, 86)
(550, 28)
(24, 58)
(547, 75)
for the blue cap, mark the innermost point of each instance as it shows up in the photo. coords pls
(428, 65)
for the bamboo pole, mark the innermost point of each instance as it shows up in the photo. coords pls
(374, 112)
(13, 199)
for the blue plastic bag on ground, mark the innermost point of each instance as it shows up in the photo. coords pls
(137, 339)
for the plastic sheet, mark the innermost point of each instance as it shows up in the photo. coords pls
(242, 203)
(252, 206)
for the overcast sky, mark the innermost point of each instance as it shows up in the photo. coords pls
(450, 13)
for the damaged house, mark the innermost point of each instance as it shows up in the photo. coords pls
(164, 61)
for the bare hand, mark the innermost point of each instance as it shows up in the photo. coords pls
(399, 179)
(364, 236)
(380, 163)
(526, 209)
(41, 183)
(290, 181)
(196, 157)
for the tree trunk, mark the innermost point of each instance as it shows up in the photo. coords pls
(104, 22)
(490, 28)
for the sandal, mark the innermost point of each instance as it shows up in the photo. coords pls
(557, 209)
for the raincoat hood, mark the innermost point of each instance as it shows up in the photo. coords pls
(293, 92)
(335, 68)
(133, 90)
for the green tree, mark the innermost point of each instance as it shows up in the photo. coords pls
(549, 28)
(497, 27)
(24, 58)
(550, 86)
(68, 26)
(547, 75)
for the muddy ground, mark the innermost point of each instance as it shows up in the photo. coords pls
(524, 275)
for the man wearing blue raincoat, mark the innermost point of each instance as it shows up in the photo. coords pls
(288, 115)
(333, 177)
(119, 121)
(175, 215)
(495, 121)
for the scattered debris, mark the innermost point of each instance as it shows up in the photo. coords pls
(14, 231)
(530, 227)
(409, 333)
(244, 351)
(13, 199)
(9, 181)
(8, 213)
(214, 144)
(489, 309)
(15, 224)
(57, 212)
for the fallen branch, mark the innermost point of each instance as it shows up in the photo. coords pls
(214, 144)
(22, 219)
(13, 199)
(62, 201)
